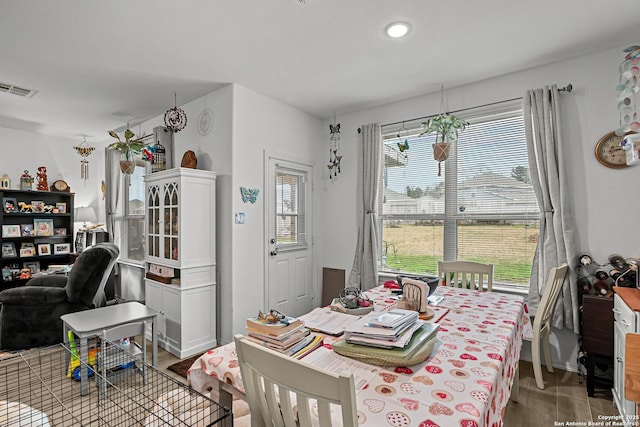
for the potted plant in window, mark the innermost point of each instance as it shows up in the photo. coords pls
(446, 127)
(127, 148)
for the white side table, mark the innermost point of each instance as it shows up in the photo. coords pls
(89, 323)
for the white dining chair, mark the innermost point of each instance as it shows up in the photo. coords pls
(466, 275)
(542, 321)
(272, 379)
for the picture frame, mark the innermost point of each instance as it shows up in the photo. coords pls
(34, 266)
(60, 231)
(27, 250)
(9, 204)
(8, 250)
(43, 226)
(37, 206)
(61, 248)
(11, 230)
(62, 207)
(44, 249)
(27, 230)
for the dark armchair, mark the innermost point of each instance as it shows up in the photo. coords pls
(30, 314)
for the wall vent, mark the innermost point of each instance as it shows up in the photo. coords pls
(17, 90)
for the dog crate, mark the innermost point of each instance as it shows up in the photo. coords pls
(41, 388)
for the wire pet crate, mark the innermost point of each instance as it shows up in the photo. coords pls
(38, 389)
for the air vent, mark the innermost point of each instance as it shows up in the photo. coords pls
(17, 90)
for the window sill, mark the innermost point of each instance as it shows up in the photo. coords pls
(131, 263)
(523, 291)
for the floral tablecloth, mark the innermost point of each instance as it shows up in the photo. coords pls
(465, 382)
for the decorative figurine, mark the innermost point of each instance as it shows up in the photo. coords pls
(189, 160)
(25, 181)
(5, 182)
(43, 185)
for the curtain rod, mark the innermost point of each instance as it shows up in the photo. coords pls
(568, 88)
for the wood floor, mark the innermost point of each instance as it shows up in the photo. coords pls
(563, 399)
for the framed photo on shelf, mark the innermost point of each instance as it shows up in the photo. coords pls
(34, 266)
(8, 250)
(61, 248)
(27, 230)
(9, 205)
(38, 206)
(10, 231)
(62, 207)
(60, 231)
(44, 249)
(27, 249)
(43, 226)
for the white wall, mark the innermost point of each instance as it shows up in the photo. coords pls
(603, 198)
(22, 151)
(260, 125)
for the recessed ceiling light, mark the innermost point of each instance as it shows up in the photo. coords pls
(397, 29)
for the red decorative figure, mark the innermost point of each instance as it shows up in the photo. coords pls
(42, 179)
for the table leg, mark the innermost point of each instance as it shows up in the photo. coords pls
(84, 363)
(154, 341)
(591, 365)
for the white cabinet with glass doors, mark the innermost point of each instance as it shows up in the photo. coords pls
(180, 258)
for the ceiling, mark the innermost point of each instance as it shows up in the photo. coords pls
(97, 65)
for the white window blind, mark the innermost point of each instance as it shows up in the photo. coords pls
(482, 208)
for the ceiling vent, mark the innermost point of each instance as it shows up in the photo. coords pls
(17, 90)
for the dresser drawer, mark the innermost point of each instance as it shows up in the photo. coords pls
(624, 316)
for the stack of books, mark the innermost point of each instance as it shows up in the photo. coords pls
(389, 329)
(288, 336)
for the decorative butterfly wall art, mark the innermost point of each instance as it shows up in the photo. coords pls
(249, 195)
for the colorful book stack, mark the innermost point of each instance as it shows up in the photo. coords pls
(287, 336)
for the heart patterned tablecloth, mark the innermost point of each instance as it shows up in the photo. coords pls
(465, 382)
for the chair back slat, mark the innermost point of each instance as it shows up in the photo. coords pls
(264, 371)
(549, 297)
(466, 275)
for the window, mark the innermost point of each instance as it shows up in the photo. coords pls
(290, 207)
(482, 208)
(134, 215)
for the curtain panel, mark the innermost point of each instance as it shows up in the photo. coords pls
(556, 243)
(364, 274)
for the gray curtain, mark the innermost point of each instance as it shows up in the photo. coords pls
(364, 273)
(547, 169)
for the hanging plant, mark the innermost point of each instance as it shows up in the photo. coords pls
(127, 148)
(446, 127)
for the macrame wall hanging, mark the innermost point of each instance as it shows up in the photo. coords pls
(84, 150)
(175, 119)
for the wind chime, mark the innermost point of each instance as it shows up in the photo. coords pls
(84, 150)
(175, 119)
(627, 89)
(335, 156)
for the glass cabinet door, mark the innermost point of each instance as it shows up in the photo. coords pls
(153, 218)
(170, 213)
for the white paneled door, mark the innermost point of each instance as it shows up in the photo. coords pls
(289, 244)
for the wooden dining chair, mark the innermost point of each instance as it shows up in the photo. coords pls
(271, 379)
(466, 275)
(542, 321)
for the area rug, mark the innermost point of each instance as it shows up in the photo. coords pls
(183, 366)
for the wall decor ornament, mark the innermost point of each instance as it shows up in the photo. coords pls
(205, 122)
(84, 150)
(26, 181)
(249, 195)
(175, 119)
(627, 90)
(335, 154)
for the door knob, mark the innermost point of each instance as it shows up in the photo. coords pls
(274, 252)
